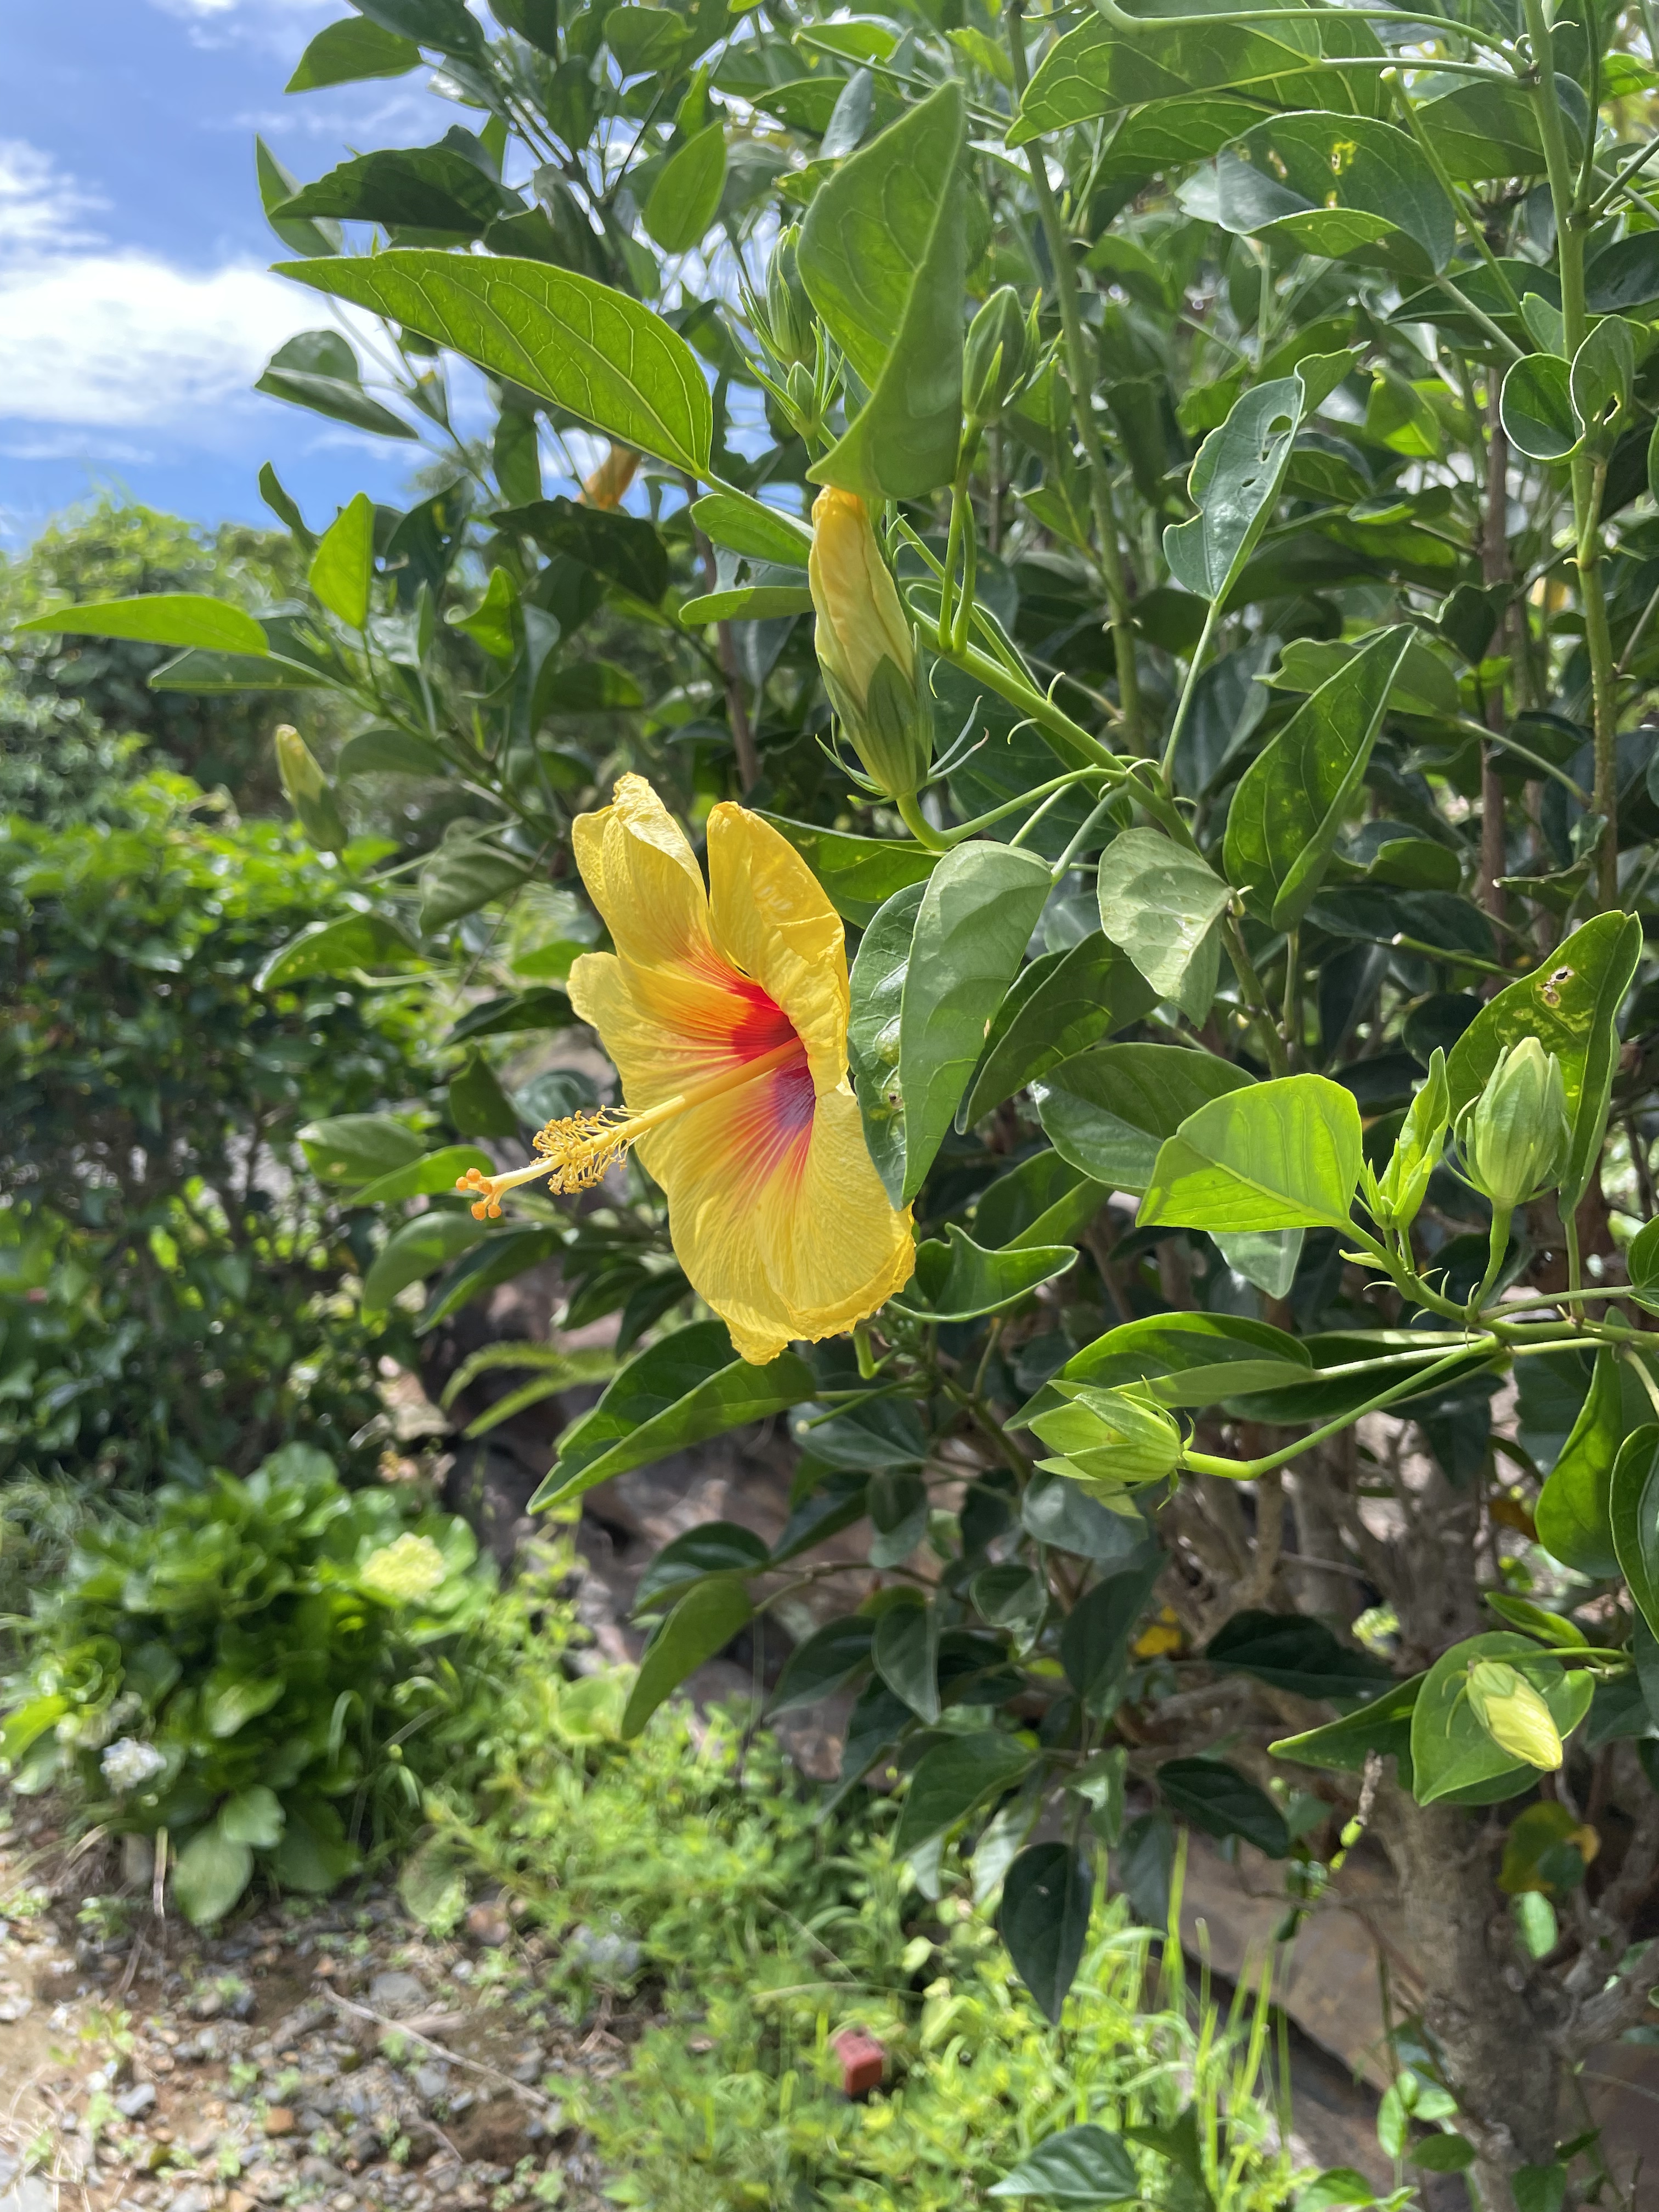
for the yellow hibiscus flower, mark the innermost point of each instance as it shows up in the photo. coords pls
(725, 1011)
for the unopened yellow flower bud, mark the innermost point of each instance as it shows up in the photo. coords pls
(309, 790)
(1110, 1438)
(1513, 1714)
(866, 650)
(1516, 1136)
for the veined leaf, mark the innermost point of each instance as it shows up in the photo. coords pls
(1058, 1006)
(1573, 1515)
(1108, 1111)
(1452, 1755)
(1349, 187)
(703, 1622)
(183, 618)
(1281, 1155)
(605, 356)
(1161, 904)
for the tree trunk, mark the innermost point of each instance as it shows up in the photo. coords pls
(1498, 2059)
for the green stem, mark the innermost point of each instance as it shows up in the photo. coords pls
(1570, 200)
(1183, 705)
(1122, 20)
(1052, 788)
(1080, 376)
(948, 581)
(918, 824)
(1255, 996)
(1071, 740)
(1246, 1470)
(1497, 1245)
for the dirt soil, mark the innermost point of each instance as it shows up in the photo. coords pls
(321, 2055)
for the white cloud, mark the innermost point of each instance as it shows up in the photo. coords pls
(114, 339)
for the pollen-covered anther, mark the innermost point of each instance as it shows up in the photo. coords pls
(578, 1152)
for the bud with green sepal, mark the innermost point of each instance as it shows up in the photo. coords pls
(309, 790)
(790, 330)
(1000, 356)
(1110, 1438)
(1515, 1139)
(866, 651)
(1514, 1714)
(1394, 1198)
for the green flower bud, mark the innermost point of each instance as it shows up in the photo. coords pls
(309, 790)
(788, 311)
(1107, 1438)
(1513, 1714)
(1516, 1136)
(1399, 1192)
(866, 652)
(1001, 355)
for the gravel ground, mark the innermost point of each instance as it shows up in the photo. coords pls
(320, 2054)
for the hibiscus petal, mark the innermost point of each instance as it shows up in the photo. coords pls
(644, 879)
(773, 922)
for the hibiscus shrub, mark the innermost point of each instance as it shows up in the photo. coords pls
(1232, 565)
(248, 1674)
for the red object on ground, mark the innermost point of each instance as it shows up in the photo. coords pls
(863, 2061)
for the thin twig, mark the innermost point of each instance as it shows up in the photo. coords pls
(518, 2089)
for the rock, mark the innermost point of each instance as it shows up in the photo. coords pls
(430, 2082)
(610, 1958)
(192, 2199)
(207, 2004)
(29, 2193)
(279, 2120)
(132, 2104)
(397, 1993)
(488, 1924)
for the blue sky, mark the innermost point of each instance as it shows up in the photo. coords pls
(135, 308)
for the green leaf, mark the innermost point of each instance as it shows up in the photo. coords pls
(1058, 1006)
(951, 1778)
(825, 1663)
(606, 357)
(876, 990)
(714, 1547)
(1160, 904)
(751, 526)
(1108, 1111)
(357, 1147)
(478, 1106)
(186, 618)
(1293, 1652)
(389, 752)
(1234, 484)
(881, 255)
(905, 1652)
(1054, 1511)
(1187, 1359)
(497, 1258)
(416, 1250)
(209, 1875)
(746, 603)
(1624, 276)
(1098, 69)
(1384, 1725)
(644, 39)
(860, 874)
(1094, 1643)
(1079, 2167)
(1293, 800)
(1569, 1005)
(446, 24)
(277, 184)
(1536, 409)
(1573, 1515)
(1348, 187)
(254, 1816)
(957, 1279)
(347, 53)
(354, 942)
(1043, 1200)
(463, 875)
(1043, 1919)
(1604, 370)
(1633, 1512)
(1282, 1155)
(425, 1177)
(318, 370)
(1219, 1799)
(686, 196)
(1442, 2154)
(682, 1390)
(438, 190)
(342, 567)
(1551, 1628)
(1452, 1755)
(703, 1623)
(978, 909)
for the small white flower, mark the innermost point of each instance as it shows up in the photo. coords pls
(128, 1763)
